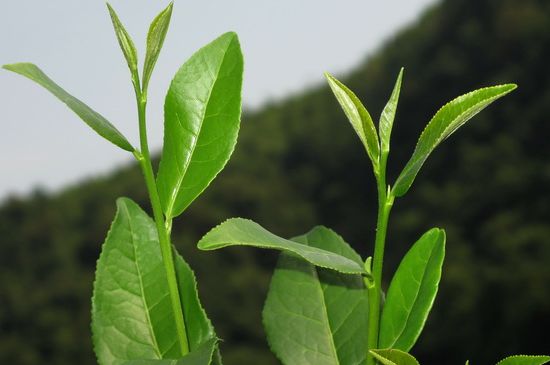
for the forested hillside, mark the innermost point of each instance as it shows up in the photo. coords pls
(298, 163)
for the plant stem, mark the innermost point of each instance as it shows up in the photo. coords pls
(144, 159)
(385, 203)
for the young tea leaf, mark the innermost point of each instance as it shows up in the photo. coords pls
(388, 115)
(315, 316)
(394, 357)
(444, 123)
(96, 121)
(525, 360)
(155, 39)
(244, 232)
(358, 116)
(412, 292)
(202, 114)
(125, 42)
(203, 355)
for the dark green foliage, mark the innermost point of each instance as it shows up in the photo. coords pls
(494, 202)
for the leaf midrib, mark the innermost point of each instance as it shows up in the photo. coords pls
(141, 286)
(176, 189)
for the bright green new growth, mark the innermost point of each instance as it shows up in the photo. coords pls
(145, 307)
(315, 313)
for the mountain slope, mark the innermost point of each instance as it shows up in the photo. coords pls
(298, 163)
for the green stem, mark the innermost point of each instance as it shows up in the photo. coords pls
(144, 159)
(385, 203)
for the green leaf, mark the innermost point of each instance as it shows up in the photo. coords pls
(203, 355)
(125, 42)
(358, 116)
(388, 115)
(132, 316)
(394, 357)
(525, 360)
(412, 292)
(202, 114)
(155, 40)
(198, 326)
(444, 123)
(313, 315)
(244, 232)
(97, 122)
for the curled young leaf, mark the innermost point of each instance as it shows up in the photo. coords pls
(358, 116)
(201, 121)
(125, 42)
(155, 40)
(388, 115)
(244, 232)
(445, 122)
(93, 119)
(412, 292)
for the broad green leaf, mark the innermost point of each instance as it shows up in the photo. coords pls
(317, 316)
(155, 39)
(412, 292)
(358, 116)
(202, 355)
(132, 315)
(244, 232)
(394, 357)
(125, 42)
(388, 115)
(202, 115)
(97, 122)
(444, 123)
(525, 360)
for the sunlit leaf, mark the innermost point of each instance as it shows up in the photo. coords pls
(388, 115)
(412, 292)
(394, 357)
(525, 360)
(202, 114)
(358, 116)
(203, 355)
(444, 123)
(244, 232)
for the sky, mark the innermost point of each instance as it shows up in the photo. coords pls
(287, 45)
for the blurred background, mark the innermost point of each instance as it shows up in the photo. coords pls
(298, 163)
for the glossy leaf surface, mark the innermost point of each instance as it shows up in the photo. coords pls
(394, 357)
(313, 315)
(358, 116)
(525, 360)
(412, 292)
(388, 115)
(97, 122)
(444, 123)
(155, 40)
(202, 115)
(203, 355)
(125, 41)
(244, 232)
(132, 315)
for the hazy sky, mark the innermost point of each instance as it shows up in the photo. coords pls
(287, 45)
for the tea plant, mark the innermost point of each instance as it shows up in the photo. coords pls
(145, 307)
(326, 306)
